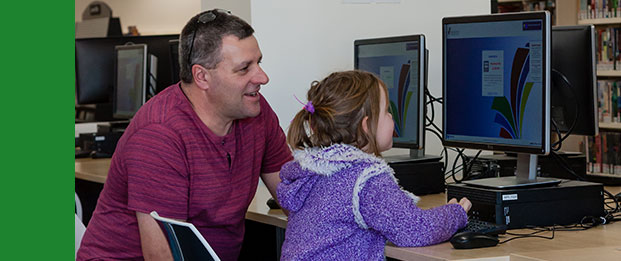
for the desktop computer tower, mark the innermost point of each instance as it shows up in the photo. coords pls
(420, 178)
(105, 144)
(567, 203)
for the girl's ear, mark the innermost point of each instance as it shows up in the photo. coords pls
(365, 125)
(365, 128)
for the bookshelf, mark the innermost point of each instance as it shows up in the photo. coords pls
(604, 147)
(610, 126)
(601, 21)
(609, 73)
(506, 6)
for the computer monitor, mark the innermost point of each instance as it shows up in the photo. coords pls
(401, 64)
(94, 71)
(131, 80)
(94, 65)
(573, 56)
(496, 88)
(174, 59)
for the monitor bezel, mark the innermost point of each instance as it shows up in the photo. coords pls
(544, 16)
(173, 52)
(119, 48)
(420, 38)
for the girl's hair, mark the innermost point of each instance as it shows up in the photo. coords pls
(341, 101)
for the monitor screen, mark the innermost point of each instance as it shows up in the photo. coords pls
(400, 63)
(573, 56)
(94, 71)
(496, 82)
(131, 80)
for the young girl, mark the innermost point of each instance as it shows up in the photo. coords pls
(343, 200)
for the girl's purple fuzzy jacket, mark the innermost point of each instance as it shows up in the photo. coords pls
(344, 204)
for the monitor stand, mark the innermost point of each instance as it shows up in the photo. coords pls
(416, 155)
(525, 176)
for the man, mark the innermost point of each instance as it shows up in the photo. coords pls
(195, 151)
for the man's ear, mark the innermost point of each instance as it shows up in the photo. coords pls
(364, 123)
(201, 76)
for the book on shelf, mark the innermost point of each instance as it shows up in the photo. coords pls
(609, 101)
(597, 9)
(607, 53)
(603, 153)
(593, 155)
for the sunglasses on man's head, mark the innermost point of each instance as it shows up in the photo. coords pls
(203, 19)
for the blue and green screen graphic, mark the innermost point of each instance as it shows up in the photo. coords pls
(397, 64)
(494, 75)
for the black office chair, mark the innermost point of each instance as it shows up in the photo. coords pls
(186, 243)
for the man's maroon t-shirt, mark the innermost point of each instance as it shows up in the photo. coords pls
(169, 161)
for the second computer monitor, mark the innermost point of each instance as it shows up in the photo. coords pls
(573, 57)
(400, 63)
(131, 80)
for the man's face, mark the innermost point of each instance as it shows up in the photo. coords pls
(236, 80)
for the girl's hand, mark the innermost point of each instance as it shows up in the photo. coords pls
(464, 203)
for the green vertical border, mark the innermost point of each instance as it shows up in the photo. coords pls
(36, 108)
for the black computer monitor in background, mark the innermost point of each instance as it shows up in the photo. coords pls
(94, 70)
(94, 61)
(131, 80)
(573, 56)
(174, 59)
(400, 62)
(496, 88)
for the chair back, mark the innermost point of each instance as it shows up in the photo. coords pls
(78, 207)
(186, 242)
(79, 233)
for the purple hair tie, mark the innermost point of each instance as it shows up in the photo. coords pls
(308, 106)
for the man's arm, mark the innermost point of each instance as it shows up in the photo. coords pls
(271, 180)
(152, 239)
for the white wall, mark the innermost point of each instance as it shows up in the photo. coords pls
(150, 16)
(239, 8)
(303, 41)
(163, 16)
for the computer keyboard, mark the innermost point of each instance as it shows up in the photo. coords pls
(484, 227)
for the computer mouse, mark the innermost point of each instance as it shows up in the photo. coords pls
(272, 204)
(468, 240)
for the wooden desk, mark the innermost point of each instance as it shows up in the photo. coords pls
(259, 211)
(606, 238)
(599, 243)
(95, 170)
(586, 254)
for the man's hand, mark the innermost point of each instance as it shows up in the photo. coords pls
(271, 181)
